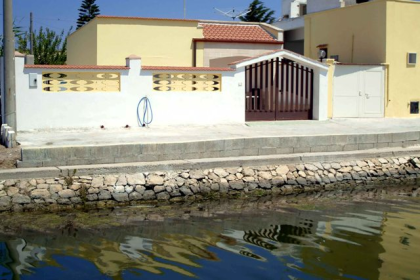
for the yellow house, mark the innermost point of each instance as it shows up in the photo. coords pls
(108, 40)
(379, 32)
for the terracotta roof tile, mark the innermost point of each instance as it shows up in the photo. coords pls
(249, 33)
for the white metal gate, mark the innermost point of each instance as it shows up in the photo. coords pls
(358, 91)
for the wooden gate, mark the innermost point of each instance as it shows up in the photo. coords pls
(279, 90)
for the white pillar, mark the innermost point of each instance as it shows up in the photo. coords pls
(20, 83)
(320, 111)
(134, 63)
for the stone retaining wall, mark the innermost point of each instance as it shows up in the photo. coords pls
(175, 186)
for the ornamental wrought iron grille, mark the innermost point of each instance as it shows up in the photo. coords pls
(81, 82)
(187, 82)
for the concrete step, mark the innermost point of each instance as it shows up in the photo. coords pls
(220, 148)
(205, 163)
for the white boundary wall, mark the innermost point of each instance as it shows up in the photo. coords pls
(43, 110)
(65, 110)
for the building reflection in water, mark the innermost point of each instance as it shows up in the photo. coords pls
(314, 244)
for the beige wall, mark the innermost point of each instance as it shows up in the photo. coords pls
(108, 41)
(221, 54)
(402, 37)
(356, 33)
(157, 42)
(82, 45)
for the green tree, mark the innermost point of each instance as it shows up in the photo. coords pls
(50, 48)
(88, 11)
(18, 33)
(258, 13)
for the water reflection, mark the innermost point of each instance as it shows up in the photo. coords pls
(353, 242)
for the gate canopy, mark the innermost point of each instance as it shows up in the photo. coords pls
(283, 85)
(302, 60)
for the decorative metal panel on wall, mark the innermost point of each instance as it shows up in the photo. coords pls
(187, 82)
(80, 82)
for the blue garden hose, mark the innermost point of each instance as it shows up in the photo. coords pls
(147, 117)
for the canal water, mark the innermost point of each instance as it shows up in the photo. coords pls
(265, 239)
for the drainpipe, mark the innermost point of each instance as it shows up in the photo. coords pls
(194, 53)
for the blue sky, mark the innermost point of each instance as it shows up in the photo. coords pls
(61, 14)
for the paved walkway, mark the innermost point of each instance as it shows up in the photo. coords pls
(172, 134)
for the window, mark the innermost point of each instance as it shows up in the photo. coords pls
(412, 58)
(414, 107)
(335, 57)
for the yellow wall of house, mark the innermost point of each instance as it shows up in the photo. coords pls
(377, 32)
(355, 33)
(403, 20)
(82, 45)
(156, 42)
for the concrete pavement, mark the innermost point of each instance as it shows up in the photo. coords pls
(109, 146)
(176, 134)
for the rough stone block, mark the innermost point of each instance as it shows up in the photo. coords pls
(163, 196)
(104, 195)
(136, 179)
(149, 195)
(236, 185)
(92, 197)
(120, 197)
(122, 180)
(40, 193)
(21, 199)
(66, 194)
